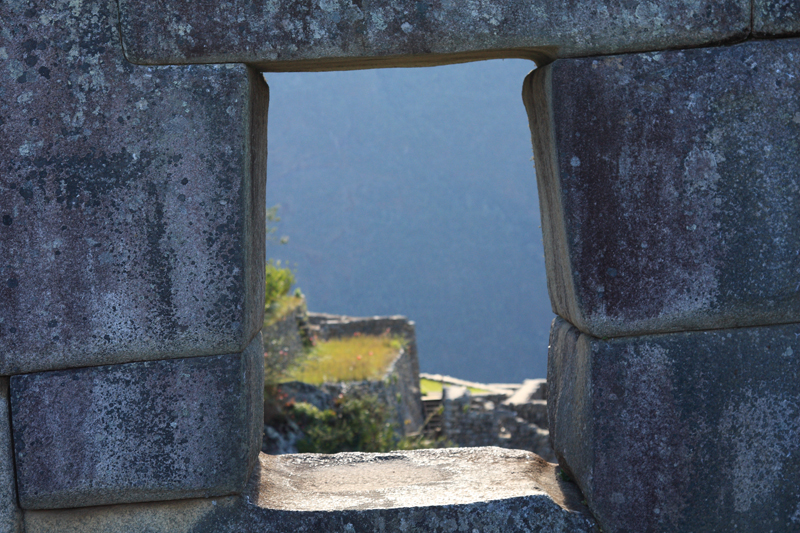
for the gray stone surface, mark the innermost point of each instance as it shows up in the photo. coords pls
(776, 17)
(285, 35)
(10, 515)
(180, 516)
(153, 430)
(696, 431)
(131, 199)
(431, 491)
(481, 420)
(669, 187)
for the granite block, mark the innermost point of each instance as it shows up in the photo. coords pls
(693, 431)
(324, 35)
(131, 198)
(669, 187)
(772, 18)
(152, 430)
(425, 491)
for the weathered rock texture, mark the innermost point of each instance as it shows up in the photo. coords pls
(131, 199)
(696, 431)
(179, 516)
(320, 34)
(431, 491)
(669, 187)
(10, 515)
(776, 17)
(146, 431)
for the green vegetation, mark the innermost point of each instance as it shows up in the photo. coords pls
(348, 359)
(356, 423)
(279, 282)
(428, 386)
(282, 307)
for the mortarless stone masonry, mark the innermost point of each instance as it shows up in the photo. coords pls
(669, 187)
(132, 209)
(132, 198)
(423, 491)
(356, 34)
(154, 430)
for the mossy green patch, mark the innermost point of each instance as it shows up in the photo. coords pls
(348, 359)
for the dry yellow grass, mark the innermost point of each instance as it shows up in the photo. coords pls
(348, 359)
(429, 386)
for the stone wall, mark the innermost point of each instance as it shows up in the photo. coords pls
(671, 208)
(490, 420)
(132, 175)
(400, 386)
(398, 389)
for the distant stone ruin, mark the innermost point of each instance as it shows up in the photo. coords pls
(512, 416)
(398, 389)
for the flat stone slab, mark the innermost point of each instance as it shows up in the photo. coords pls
(324, 35)
(131, 199)
(669, 187)
(448, 490)
(422, 478)
(695, 431)
(154, 430)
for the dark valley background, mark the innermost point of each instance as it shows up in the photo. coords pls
(413, 192)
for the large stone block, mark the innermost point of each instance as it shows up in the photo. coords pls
(425, 491)
(284, 35)
(696, 431)
(153, 430)
(131, 198)
(669, 187)
(776, 17)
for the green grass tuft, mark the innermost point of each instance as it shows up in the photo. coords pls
(348, 359)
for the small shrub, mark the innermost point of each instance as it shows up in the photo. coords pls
(356, 424)
(279, 282)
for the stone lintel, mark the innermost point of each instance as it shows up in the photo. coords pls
(131, 199)
(424, 491)
(669, 189)
(323, 35)
(694, 431)
(147, 431)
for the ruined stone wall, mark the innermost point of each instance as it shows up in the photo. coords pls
(399, 389)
